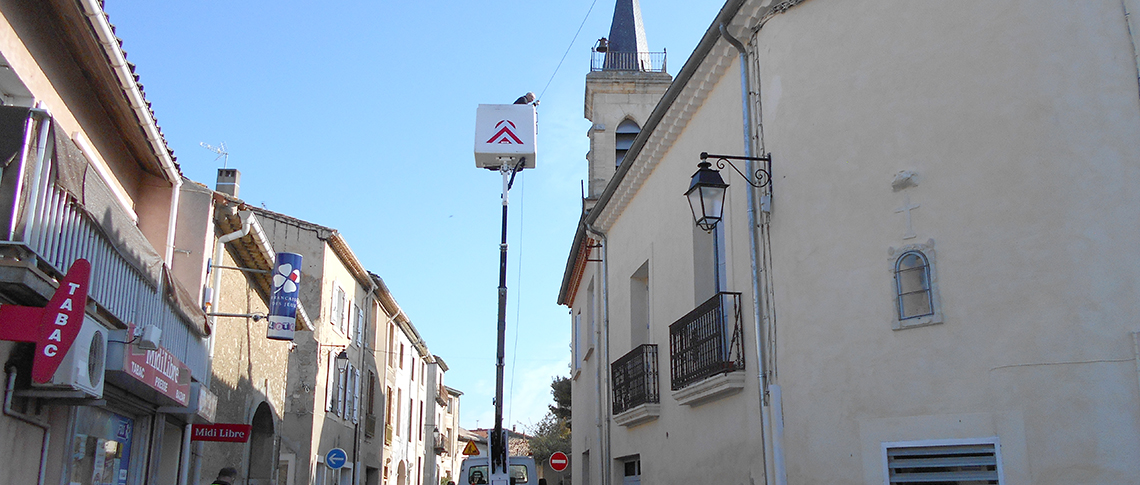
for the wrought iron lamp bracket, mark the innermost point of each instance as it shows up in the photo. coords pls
(763, 176)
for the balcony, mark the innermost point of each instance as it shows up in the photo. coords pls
(636, 399)
(628, 61)
(58, 209)
(706, 351)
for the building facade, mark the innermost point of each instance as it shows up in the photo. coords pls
(930, 282)
(332, 369)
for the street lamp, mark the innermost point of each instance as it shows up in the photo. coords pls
(706, 196)
(707, 188)
(342, 360)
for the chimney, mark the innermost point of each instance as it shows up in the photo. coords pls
(228, 181)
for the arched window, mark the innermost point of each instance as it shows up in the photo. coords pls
(912, 285)
(624, 135)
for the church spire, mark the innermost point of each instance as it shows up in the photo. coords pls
(627, 34)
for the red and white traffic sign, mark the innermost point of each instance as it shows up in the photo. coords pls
(558, 461)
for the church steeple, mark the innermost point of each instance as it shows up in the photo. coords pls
(624, 84)
(627, 34)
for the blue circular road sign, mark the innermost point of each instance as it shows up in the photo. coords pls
(336, 458)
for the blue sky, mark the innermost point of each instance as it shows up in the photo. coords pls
(359, 115)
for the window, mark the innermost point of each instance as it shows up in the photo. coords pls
(912, 282)
(339, 310)
(399, 409)
(421, 438)
(639, 306)
(575, 342)
(631, 471)
(624, 135)
(371, 394)
(388, 406)
(949, 462)
(586, 467)
(915, 284)
(401, 355)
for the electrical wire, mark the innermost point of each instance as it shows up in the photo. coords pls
(571, 46)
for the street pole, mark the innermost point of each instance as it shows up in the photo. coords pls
(500, 474)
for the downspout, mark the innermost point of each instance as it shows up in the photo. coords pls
(8, 411)
(1129, 7)
(184, 460)
(216, 277)
(772, 447)
(603, 361)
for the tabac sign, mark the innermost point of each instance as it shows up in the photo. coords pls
(504, 132)
(52, 328)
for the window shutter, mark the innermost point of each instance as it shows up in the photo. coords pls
(330, 384)
(355, 396)
(359, 323)
(341, 383)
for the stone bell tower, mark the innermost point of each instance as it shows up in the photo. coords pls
(625, 83)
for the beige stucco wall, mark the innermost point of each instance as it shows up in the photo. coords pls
(1020, 121)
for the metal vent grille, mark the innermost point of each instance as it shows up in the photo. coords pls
(969, 464)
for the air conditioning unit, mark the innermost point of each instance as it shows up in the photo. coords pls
(83, 368)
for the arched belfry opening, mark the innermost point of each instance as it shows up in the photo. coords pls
(261, 446)
(624, 135)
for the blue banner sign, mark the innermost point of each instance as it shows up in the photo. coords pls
(283, 301)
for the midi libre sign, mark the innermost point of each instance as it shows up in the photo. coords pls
(230, 433)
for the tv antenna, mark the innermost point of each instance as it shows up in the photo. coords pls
(220, 150)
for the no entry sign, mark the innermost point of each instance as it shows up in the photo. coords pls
(558, 461)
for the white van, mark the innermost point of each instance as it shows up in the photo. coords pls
(476, 471)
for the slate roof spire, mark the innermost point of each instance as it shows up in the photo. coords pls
(627, 34)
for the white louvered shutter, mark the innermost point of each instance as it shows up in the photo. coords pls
(330, 384)
(356, 396)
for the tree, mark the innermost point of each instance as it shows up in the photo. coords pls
(560, 389)
(553, 432)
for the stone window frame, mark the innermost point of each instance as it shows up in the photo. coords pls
(928, 251)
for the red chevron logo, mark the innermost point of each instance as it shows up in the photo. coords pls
(505, 135)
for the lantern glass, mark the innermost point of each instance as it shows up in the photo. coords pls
(706, 197)
(342, 360)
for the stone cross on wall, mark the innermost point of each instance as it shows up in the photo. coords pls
(906, 209)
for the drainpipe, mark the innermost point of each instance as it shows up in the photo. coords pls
(773, 449)
(603, 362)
(216, 283)
(184, 461)
(8, 411)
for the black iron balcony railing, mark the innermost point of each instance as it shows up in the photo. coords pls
(707, 341)
(635, 379)
(628, 61)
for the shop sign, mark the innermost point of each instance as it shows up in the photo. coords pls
(207, 402)
(52, 328)
(160, 370)
(226, 432)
